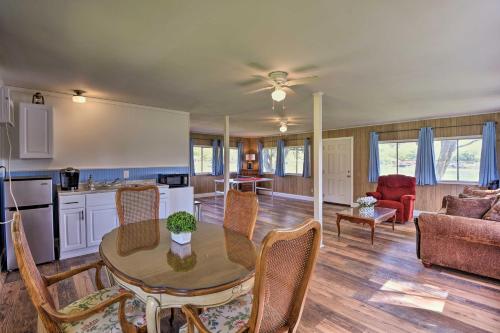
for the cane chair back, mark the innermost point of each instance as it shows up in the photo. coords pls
(241, 212)
(283, 273)
(135, 204)
(36, 286)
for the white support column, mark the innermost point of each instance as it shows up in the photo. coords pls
(318, 157)
(226, 159)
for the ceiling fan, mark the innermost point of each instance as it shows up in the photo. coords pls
(278, 81)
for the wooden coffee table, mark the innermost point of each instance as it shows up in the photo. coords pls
(379, 215)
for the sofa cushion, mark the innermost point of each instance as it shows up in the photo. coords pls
(468, 207)
(494, 213)
(390, 204)
(481, 192)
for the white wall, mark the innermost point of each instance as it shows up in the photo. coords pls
(104, 134)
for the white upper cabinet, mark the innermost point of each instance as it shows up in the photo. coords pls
(35, 131)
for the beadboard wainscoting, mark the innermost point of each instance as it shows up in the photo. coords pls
(100, 175)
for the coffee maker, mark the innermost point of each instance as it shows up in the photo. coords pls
(70, 177)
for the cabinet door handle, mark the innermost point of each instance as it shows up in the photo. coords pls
(71, 202)
(81, 214)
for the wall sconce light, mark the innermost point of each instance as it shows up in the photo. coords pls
(78, 97)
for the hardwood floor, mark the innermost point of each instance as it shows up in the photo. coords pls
(356, 287)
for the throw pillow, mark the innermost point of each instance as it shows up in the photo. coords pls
(477, 191)
(494, 213)
(468, 207)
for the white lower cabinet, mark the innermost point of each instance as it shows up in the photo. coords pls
(100, 221)
(164, 204)
(85, 218)
(72, 232)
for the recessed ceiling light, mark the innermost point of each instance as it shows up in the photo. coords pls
(278, 95)
(78, 98)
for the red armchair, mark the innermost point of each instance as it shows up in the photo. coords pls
(396, 191)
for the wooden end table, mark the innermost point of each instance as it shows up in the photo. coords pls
(379, 215)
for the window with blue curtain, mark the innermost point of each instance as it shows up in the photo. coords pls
(488, 170)
(241, 157)
(260, 158)
(374, 163)
(425, 171)
(306, 170)
(280, 158)
(218, 157)
(191, 157)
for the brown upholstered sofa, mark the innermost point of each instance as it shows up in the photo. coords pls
(467, 244)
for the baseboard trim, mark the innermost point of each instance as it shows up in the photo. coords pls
(204, 195)
(278, 194)
(289, 195)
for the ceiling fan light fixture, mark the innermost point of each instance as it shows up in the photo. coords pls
(278, 95)
(283, 127)
(78, 97)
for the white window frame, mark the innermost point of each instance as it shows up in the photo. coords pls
(203, 173)
(296, 161)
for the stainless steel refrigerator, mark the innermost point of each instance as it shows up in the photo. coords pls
(34, 200)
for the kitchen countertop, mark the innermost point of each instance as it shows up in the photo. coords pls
(83, 189)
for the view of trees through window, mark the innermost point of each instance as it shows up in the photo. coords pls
(269, 159)
(458, 159)
(202, 156)
(233, 159)
(398, 158)
(203, 159)
(294, 160)
(455, 159)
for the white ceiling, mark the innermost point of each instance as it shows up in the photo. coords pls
(378, 61)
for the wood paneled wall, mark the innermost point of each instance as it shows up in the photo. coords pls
(428, 197)
(205, 183)
(291, 184)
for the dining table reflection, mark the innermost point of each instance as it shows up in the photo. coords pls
(217, 265)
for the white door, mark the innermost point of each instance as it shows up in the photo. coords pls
(100, 221)
(337, 170)
(72, 229)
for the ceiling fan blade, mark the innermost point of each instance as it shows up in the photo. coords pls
(259, 90)
(305, 69)
(303, 80)
(288, 90)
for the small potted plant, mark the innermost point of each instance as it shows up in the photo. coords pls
(366, 205)
(181, 225)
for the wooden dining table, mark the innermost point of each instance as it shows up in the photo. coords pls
(217, 266)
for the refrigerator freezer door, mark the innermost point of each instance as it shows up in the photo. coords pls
(29, 192)
(39, 231)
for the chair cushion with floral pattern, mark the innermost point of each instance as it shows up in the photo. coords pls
(227, 318)
(107, 320)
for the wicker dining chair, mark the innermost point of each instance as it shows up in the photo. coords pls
(107, 310)
(282, 274)
(135, 204)
(241, 212)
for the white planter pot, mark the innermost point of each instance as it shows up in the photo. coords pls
(181, 238)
